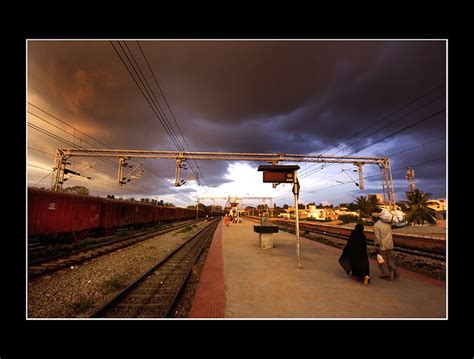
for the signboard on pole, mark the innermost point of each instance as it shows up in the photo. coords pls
(278, 173)
(286, 174)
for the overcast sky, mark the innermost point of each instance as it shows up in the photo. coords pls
(370, 98)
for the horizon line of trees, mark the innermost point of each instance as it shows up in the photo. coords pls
(415, 205)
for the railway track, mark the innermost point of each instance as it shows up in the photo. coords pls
(52, 264)
(154, 293)
(308, 229)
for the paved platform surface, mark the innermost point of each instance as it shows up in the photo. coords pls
(265, 283)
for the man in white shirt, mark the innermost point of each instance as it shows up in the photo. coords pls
(384, 242)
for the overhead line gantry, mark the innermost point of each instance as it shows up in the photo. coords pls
(62, 156)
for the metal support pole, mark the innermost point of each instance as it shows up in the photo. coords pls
(392, 187)
(60, 162)
(197, 210)
(297, 222)
(361, 177)
(120, 177)
(386, 170)
(176, 177)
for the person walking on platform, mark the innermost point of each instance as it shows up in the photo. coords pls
(384, 243)
(227, 220)
(354, 257)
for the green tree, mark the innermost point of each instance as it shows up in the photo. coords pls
(418, 212)
(403, 205)
(352, 207)
(77, 189)
(365, 206)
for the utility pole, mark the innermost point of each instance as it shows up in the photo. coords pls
(296, 191)
(411, 178)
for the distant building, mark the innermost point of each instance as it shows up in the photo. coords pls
(316, 213)
(378, 196)
(438, 206)
(343, 211)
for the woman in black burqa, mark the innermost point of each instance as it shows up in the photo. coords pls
(355, 254)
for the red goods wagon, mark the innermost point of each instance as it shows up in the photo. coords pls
(141, 213)
(58, 212)
(189, 213)
(161, 214)
(116, 213)
(169, 214)
(113, 214)
(179, 214)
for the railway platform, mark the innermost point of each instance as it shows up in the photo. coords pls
(241, 280)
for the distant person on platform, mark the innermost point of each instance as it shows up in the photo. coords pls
(227, 220)
(354, 255)
(384, 244)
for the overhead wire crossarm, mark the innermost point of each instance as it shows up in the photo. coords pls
(264, 157)
(62, 155)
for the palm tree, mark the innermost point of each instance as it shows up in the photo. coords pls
(417, 211)
(373, 204)
(366, 206)
(363, 206)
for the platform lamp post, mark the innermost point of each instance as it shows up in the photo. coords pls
(286, 174)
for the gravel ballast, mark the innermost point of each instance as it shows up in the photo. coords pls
(80, 290)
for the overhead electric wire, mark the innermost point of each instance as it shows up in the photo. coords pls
(398, 119)
(419, 164)
(163, 121)
(67, 124)
(152, 96)
(372, 133)
(171, 132)
(107, 160)
(46, 153)
(391, 156)
(153, 106)
(58, 138)
(169, 108)
(385, 137)
(383, 119)
(69, 143)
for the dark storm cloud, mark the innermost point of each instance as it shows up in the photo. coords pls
(249, 96)
(235, 81)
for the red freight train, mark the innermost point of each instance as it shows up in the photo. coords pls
(61, 215)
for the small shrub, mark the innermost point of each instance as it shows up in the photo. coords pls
(82, 305)
(183, 230)
(115, 283)
(348, 218)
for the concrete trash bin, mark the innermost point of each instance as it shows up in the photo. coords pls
(265, 237)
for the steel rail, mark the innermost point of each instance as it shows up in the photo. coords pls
(120, 296)
(53, 264)
(411, 251)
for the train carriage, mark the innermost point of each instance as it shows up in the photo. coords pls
(55, 213)
(59, 214)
